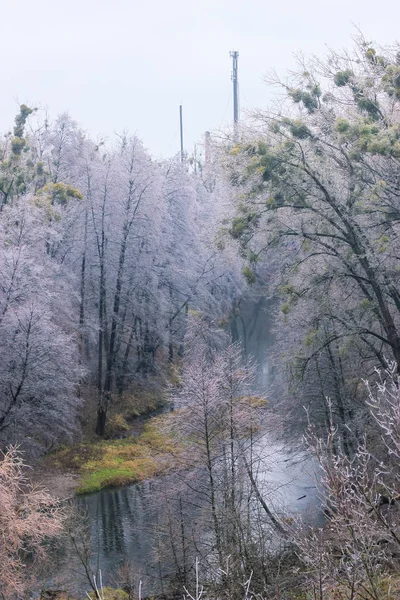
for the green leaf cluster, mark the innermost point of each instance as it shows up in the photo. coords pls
(58, 193)
(341, 78)
(309, 98)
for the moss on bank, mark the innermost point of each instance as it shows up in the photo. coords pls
(109, 463)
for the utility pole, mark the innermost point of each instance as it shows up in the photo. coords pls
(181, 130)
(234, 54)
(207, 149)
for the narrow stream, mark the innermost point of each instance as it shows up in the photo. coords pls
(125, 524)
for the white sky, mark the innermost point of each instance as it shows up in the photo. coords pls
(118, 65)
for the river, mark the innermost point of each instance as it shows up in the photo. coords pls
(131, 523)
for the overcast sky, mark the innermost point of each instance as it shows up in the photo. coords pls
(118, 65)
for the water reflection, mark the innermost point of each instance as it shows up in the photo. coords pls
(121, 526)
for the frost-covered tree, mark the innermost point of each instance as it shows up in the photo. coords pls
(318, 196)
(39, 361)
(220, 420)
(121, 248)
(356, 553)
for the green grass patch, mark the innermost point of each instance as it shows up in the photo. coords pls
(102, 478)
(110, 463)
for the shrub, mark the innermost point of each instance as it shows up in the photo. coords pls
(29, 517)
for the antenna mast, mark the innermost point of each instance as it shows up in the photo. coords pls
(234, 54)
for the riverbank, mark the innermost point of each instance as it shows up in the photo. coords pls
(138, 447)
(93, 465)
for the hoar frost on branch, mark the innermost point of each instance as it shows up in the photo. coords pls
(318, 205)
(105, 253)
(357, 552)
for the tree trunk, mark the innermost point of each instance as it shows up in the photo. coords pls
(101, 420)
